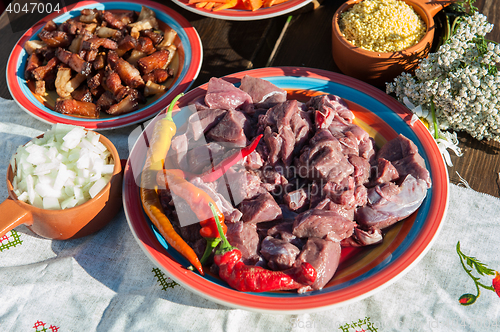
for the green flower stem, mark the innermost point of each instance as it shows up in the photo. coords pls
(434, 122)
(468, 271)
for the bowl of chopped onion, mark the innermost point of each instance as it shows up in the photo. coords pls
(376, 40)
(65, 183)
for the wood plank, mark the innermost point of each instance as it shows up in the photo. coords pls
(307, 42)
(231, 47)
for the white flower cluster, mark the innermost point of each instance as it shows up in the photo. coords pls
(461, 80)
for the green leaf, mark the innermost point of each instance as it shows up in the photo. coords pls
(481, 268)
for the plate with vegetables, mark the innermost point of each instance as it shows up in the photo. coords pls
(104, 65)
(285, 190)
(242, 10)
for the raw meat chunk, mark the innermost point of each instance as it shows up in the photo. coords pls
(262, 208)
(322, 224)
(224, 95)
(326, 108)
(230, 129)
(244, 236)
(384, 209)
(324, 256)
(280, 254)
(262, 92)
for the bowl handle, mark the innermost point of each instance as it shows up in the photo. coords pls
(13, 215)
(433, 6)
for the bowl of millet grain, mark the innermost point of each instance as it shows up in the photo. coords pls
(376, 40)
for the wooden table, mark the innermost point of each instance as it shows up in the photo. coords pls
(231, 46)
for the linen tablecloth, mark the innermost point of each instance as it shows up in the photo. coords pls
(104, 282)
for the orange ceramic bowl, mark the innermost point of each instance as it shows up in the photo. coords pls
(377, 68)
(74, 222)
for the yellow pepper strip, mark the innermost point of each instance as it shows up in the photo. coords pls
(163, 132)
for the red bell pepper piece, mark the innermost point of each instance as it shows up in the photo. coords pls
(249, 278)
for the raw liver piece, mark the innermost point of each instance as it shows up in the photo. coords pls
(403, 154)
(280, 254)
(324, 256)
(230, 129)
(362, 238)
(386, 208)
(322, 224)
(244, 237)
(262, 91)
(262, 208)
(224, 95)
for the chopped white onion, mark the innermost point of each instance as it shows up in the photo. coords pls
(63, 169)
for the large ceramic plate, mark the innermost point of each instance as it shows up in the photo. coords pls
(362, 271)
(239, 14)
(188, 62)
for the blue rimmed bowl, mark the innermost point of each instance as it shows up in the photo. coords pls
(187, 66)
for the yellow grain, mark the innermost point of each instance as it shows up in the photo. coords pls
(382, 25)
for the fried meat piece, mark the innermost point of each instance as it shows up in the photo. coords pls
(158, 75)
(114, 84)
(157, 60)
(75, 107)
(42, 72)
(34, 61)
(128, 73)
(74, 61)
(72, 27)
(128, 104)
(154, 36)
(96, 42)
(152, 88)
(82, 94)
(144, 44)
(126, 44)
(89, 15)
(50, 26)
(105, 32)
(100, 61)
(113, 20)
(40, 88)
(145, 24)
(105, 101)
(32, 46)
(54, 38)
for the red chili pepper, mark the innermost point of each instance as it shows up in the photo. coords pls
(249, 278)
(219, 170)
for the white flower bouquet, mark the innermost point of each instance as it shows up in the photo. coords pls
(457, 88)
